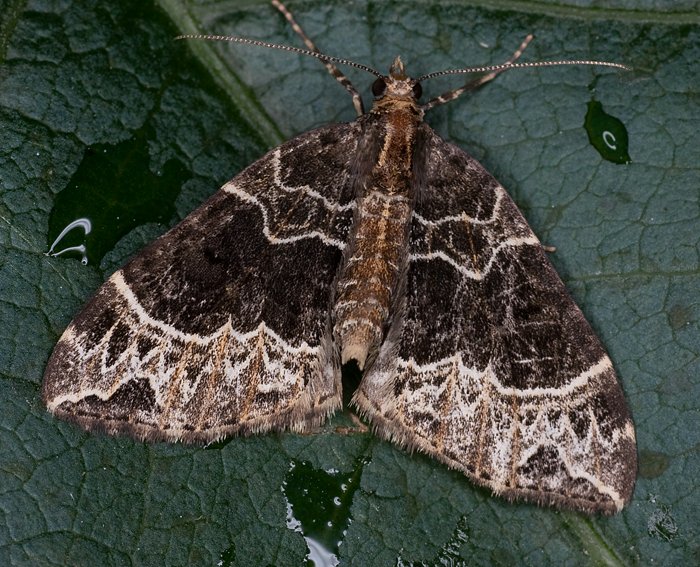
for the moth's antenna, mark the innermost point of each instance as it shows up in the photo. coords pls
(336, 73)
(312, 50)
(495, 70)
(328, 60)
(248, 41)
(507, 66)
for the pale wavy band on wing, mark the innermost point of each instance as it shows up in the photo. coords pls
(184, 386)
(550, 446)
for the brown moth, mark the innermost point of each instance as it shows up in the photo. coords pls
(375, 241)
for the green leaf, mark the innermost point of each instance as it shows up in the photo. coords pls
(174, 120)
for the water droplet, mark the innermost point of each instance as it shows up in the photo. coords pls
(114, 187)
(609, 139)
(83, 223)
(662, 524)
(607, 134)
(318, 506)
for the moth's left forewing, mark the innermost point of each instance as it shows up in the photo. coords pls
(489, 365)
(221, 326)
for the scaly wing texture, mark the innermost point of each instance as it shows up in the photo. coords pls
(216, 327)
(489, 365)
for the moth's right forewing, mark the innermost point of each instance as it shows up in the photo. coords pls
(490, 366)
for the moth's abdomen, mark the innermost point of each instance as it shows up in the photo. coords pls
(370, 276)
(376, 257)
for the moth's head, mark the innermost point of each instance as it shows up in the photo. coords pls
(397, 85)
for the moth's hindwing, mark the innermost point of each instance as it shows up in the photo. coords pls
(489, 365)
(222, 325)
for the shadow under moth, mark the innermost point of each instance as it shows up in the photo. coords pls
(375, 241)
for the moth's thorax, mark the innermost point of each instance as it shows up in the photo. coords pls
(376, 257)
(399, 105)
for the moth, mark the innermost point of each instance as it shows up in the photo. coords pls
(378, 242)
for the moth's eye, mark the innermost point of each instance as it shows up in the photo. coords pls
(378, 87)
(417, 90)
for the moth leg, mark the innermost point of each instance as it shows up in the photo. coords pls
(476, 83)
(491, 76)
(332, 69)
(358, 427)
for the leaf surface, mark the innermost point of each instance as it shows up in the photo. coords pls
(96, 99)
